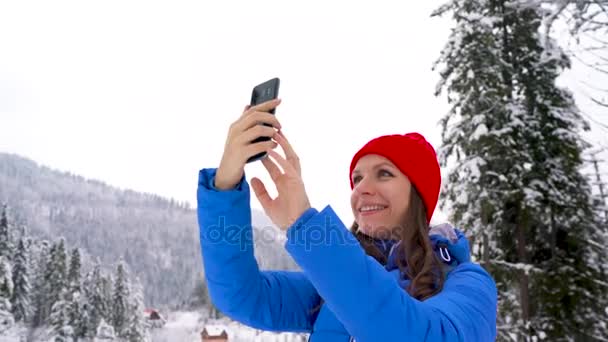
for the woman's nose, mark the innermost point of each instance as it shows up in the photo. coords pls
(365, 186)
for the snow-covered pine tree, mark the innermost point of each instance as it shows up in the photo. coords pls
(6, 288)
(200, 295)
(6, 246)
(516, 185)
(47, 294)
(475, 131)
(107, 290)
(95, 306)
(21, 292)
(74, 271)
(56, 273)
(482, 142)
(82, 330)
(6, 272)
(74, 312)
(567, 238)
(74, 295)
(41, 255)
(137, 330)
(6, 283)
(120, 301)
(61, 330)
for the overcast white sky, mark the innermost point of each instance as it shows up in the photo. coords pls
(140, 94)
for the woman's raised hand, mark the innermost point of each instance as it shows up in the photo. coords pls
(292, 200)
(238, 147)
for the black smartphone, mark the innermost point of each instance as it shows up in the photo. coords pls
(263, 92)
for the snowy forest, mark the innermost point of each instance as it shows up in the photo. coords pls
(43, 283)
(82, 259)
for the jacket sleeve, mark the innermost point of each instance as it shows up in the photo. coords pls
(368, 300)
(268, 300)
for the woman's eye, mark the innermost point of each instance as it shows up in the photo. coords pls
(385, 173)
(356, 179)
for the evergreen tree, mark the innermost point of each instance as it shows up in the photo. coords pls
(136, 330)
(21, 292)
(6, 248)
(107, 290)
(74, 296)
(81, 331)
(95, 306)
(120, 304)
(74, 271)
(40, 283)
(74, 315)
(6, 287)
(200, 295)
(60, 320)
(6, 284)
(56, 274)
(516, 184)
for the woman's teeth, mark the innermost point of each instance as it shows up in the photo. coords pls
(371, 208)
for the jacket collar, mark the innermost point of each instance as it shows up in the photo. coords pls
(388, 248)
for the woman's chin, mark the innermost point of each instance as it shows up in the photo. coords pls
(378, 232)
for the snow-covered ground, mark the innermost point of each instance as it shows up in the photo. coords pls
(182, 326)
(13, 334)
(187, 326)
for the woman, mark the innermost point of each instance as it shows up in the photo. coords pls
(389, 278)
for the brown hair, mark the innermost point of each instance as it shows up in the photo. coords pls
(416, 258)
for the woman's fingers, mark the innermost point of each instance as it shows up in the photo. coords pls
(257, 118)
(259, 147)
(290, 154)
(262, 107)
(272, 168)
(261, 193)
(255, 132)
(285, 165)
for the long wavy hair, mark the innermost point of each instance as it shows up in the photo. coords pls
(416, 259)
(415, 256)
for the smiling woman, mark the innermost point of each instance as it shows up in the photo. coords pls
(396, 181)
(390, 277)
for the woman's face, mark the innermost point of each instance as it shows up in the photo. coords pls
(380, 196)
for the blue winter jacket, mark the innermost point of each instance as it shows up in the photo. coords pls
(364, 301)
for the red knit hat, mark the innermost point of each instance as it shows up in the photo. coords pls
(414, 157)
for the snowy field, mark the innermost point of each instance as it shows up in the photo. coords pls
(187, 326)
(182, 326)
(13, 334)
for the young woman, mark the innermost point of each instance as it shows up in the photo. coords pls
(389, 278)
